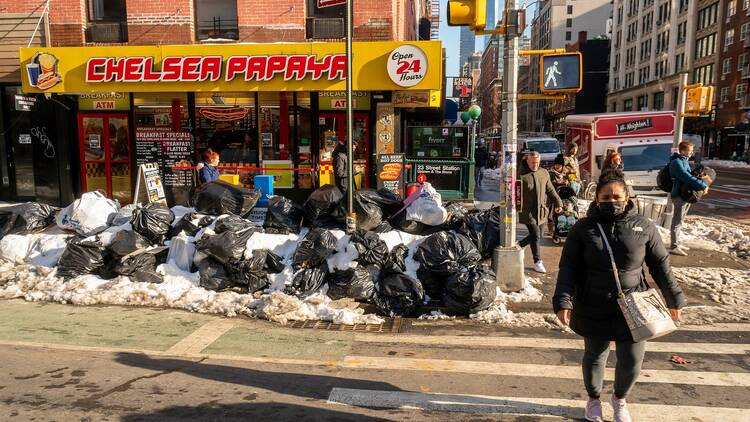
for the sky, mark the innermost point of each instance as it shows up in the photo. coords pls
(449, 35)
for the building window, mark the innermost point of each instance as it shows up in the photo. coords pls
(684, 4)
(570, 9)
(745, 4)
(216, 19)
(679, 62)
(741, 62)
(642, 102)
(731, 8)
(724, 96)
(745, 31)
(726, 66)
(708, 16)
(627, 105)
(107, 21)
(739, 94)
(569, 23)
(704, 74)
(658, 100)
(681, 32)
(706, 46)
(567, 36)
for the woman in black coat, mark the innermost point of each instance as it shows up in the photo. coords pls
(586, 293)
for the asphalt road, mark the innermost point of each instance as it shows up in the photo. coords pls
(729, 196)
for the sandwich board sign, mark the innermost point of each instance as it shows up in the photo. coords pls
(148, 186)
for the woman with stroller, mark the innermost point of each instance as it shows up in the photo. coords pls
(572, 169)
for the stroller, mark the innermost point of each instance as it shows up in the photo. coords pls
(562, 222)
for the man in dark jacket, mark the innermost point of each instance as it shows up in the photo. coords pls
(536, 186)
(480, 162)
(340, 165)
(679, 171)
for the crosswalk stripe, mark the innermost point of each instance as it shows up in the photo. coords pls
(549, 343)
(724, 379)
(523, 406)
(203, 336)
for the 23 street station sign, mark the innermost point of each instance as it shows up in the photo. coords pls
(232, 67)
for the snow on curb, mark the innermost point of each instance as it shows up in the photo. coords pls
(713, 234)
(499, 313)
(725, 163)
(728, 288)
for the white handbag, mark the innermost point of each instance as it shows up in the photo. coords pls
(645, 312)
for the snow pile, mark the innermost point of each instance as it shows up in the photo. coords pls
(728, 288)
(725, 163)
(435, 316)
(499, 313)
(282, 308)
(713, 234)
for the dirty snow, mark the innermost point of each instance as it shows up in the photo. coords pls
(435, 316)
(725, 163)
(727, 289)
(499, 313)
(713, 234)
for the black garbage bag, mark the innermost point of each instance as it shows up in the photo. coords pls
(445, 253)
(274, 263)
(371, 206)
(226, 246)
(399, 222)
(217, 198)
(470, 291)
(483, 228)
(140, 267)
(397, 294)
(307, 281)
(186, 226)
(371, 249)
(356, 283)
(126, 242)
(283, 216)
(213, 275)
(84, 257)
(324, 208)
(432, 283)
(153, 221)
(235, 224)
(396, 262)
(314, 248)
(250, 272)
(383, 227)
(456, 214)
(25, 218)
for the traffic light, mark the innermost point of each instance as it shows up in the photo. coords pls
(561, 73)
(699, 99)
(472, 13)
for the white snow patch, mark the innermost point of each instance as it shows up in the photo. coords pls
(725, 163)
(713, 234)
(282, 308)
(435, 316)
(728, 288)
(499, 313)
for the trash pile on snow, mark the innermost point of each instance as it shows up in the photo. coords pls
(298, 265)
(713, 234)
(725, 163)
(728, 288)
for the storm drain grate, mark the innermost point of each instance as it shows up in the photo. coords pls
(391, 325)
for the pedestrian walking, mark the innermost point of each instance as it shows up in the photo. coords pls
(572, 169)
(586, 293)
(208, 168)
(679, 171)
(340, 165)
(536, 187)
(480, 162)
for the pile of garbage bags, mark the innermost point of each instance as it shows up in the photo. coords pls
(212, 240)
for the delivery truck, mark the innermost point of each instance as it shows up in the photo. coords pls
(643, 139)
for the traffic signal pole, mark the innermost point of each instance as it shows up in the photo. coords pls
(680, 117)
(508, 257)
(351, 217)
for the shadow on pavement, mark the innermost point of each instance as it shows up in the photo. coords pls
(246, 412)
(301, 385)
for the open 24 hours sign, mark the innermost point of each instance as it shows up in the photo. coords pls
(377, 66)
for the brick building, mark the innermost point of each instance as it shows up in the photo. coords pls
(490, 89)
(88, 114)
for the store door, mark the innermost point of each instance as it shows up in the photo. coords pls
(104, 145)
(332, 127)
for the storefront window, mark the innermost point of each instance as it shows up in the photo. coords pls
(303, 130)
(273, 143)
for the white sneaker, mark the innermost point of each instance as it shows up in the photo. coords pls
(620, 406)
(539, 267)
(593, 411)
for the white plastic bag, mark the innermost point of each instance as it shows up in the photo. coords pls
(89, 215)
(181, 252)
(16, 248)
(428, 208)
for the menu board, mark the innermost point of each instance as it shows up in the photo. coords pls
(391, 173)
(442, 176)
(168, 149)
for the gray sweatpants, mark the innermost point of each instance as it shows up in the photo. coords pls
(680, 211)
(629, 361)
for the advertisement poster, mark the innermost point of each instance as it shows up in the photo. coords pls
(391, 173)
(167, 149)
(281, 178)
(442, 176)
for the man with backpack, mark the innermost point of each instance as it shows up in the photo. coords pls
(679, 174)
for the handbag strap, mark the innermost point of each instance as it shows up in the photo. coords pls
(611, 260)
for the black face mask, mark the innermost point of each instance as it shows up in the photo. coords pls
(611, 210)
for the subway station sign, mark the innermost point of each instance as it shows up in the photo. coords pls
(234, 67)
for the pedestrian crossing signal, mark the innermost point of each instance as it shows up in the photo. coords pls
(471, 13)
(699, 100)
(560, 73)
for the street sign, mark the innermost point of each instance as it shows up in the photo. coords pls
(462, 87)
(560, 73)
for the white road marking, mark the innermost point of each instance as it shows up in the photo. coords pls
(202, 337)
(660, 376)
(523, 406)
(548, 343)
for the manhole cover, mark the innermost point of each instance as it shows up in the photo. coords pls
(391, 325)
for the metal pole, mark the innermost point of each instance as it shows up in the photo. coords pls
(508, 256)
(680, 110)
(351, 220)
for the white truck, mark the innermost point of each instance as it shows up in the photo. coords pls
(546, 145)
(643, 139)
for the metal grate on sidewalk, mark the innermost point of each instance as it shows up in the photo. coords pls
(391, 325)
